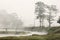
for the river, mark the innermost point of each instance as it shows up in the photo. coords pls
(27, 34)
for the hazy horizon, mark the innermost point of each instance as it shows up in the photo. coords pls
(25, 9)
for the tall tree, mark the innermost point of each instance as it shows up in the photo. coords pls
(40, 10)
(52, 10)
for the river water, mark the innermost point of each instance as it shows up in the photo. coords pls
(27, 34)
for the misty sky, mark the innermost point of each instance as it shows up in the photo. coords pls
(25, 8)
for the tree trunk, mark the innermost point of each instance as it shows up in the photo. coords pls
(16, 30)
(6, 30)
(49, 20)
(40, 24)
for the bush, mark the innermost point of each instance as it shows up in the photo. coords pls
(53, 37)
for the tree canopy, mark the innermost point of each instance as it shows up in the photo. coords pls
(9, 20)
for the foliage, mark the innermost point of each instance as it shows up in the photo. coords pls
(40, 9)
(9, 20)
(23, 38)
(54, 30)
(53, 37)
(33, 37)
(51, 10)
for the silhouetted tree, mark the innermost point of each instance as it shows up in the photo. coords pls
(40, 10)
(52, 10)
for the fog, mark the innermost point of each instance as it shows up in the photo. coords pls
(25, 9)
(16, 15)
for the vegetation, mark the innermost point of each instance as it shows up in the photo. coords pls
(33, 37)
(9, 20)
(42, 8)
(54, 30)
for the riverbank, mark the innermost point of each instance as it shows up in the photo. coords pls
(33, 37)
(23, 34)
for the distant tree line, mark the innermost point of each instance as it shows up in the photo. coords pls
(9, 20)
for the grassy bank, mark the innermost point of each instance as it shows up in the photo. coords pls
(33, 37)
(23, 38)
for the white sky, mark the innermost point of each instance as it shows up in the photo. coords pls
(24, 8)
